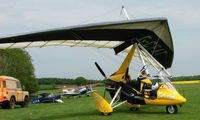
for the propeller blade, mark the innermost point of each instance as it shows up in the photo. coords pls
(126, 75)
(100, 70)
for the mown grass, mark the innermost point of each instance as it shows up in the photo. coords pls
(84, 108)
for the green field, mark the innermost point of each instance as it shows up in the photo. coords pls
(84, 109)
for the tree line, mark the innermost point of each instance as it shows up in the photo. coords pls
(66, 81)
(185, 78)
(18, 63)
(83, 81)
(180, 78)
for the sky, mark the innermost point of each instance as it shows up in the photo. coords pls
(18, 17)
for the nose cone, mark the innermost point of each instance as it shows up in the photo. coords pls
(181, 100)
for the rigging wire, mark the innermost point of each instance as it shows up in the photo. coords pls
(101, 15)
(111, 57)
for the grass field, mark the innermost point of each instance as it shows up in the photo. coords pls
(84, 109)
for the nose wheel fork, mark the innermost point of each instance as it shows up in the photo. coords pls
(171, 109)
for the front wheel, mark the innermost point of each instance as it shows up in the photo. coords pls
(171, 109)
(25, 103)
(105, 114)
(9, 104)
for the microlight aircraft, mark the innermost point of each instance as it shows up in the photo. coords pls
(70, 91)
(151, 37)
(123, 90)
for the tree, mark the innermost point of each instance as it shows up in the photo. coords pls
(80, 81)
(17, 63)
(53, 85)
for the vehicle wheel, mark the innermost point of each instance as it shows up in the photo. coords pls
(105, 114)
(134, 109)
(172, 109)
(25, 103)
(3, 106)
(11, 104)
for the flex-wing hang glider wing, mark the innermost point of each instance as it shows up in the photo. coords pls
(153, 34)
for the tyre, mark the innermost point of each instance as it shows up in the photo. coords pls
(105, 114)
(25, 103)
(134, 109)
(3, 106)
(10, 104)
(171, 109)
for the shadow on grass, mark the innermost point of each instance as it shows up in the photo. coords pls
(77, 115)
(139, 112)
(16, 107)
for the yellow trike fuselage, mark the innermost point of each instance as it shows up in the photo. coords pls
(166, 96)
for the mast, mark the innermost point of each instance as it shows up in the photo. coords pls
(125, 12)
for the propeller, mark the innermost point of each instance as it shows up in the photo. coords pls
(104, 75)
(100, 70)
(126, 75)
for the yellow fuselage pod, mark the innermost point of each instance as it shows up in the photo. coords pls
(166, 96)
(101, 104)
(119, 76)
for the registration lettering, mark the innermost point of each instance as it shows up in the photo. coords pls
(98, 101)
(163, 95)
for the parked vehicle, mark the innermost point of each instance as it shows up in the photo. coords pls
(11, 93)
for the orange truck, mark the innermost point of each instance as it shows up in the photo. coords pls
(11, 93)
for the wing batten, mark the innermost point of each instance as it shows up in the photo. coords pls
(28, 45)
(44, 44)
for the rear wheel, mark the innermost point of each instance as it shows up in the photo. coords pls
(3, 106)
(171, 109)
(10, 104)
(134, 109)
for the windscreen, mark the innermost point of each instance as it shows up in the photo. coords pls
(162, 73)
